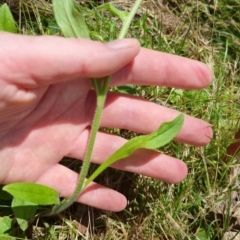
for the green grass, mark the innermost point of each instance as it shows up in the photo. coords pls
(209, 32)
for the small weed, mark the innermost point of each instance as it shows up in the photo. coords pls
(201, 30)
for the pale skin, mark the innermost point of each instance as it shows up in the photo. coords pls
(47, 106)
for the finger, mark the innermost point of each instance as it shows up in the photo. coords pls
(47, 59)
(139, 115)
(162, 69)
(64, 181)
(146, 162)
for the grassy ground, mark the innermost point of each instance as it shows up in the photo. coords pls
(201, 206)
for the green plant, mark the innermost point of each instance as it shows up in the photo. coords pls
(7, 23)
(72, 24)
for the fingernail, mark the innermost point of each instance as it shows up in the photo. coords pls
(120, 44)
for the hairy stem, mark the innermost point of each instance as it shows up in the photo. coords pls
(87, 159)
(101, 91)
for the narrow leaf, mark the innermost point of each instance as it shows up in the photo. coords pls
(32, 192)
(163, 135)
(7, 22)
(127, 89)
(23, 211)
(116, 12)
(69, 19)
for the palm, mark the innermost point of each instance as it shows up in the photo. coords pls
(45, 133)
(47, 115)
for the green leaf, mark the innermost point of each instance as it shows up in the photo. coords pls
(7, 22)
(23, 211)
(163, 135)
(5, 225)
(202, 234)
(69, 19)
(116, 12)
(127, 89)
(32, 192)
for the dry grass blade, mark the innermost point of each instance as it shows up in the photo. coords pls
(43, 6)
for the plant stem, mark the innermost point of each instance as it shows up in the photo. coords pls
(87, 159)
(127, 22)
(101, 91)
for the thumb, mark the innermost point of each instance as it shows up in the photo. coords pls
(31, 61)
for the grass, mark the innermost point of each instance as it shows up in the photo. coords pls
(202, 30)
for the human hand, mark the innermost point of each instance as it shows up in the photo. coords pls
(47, 106)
